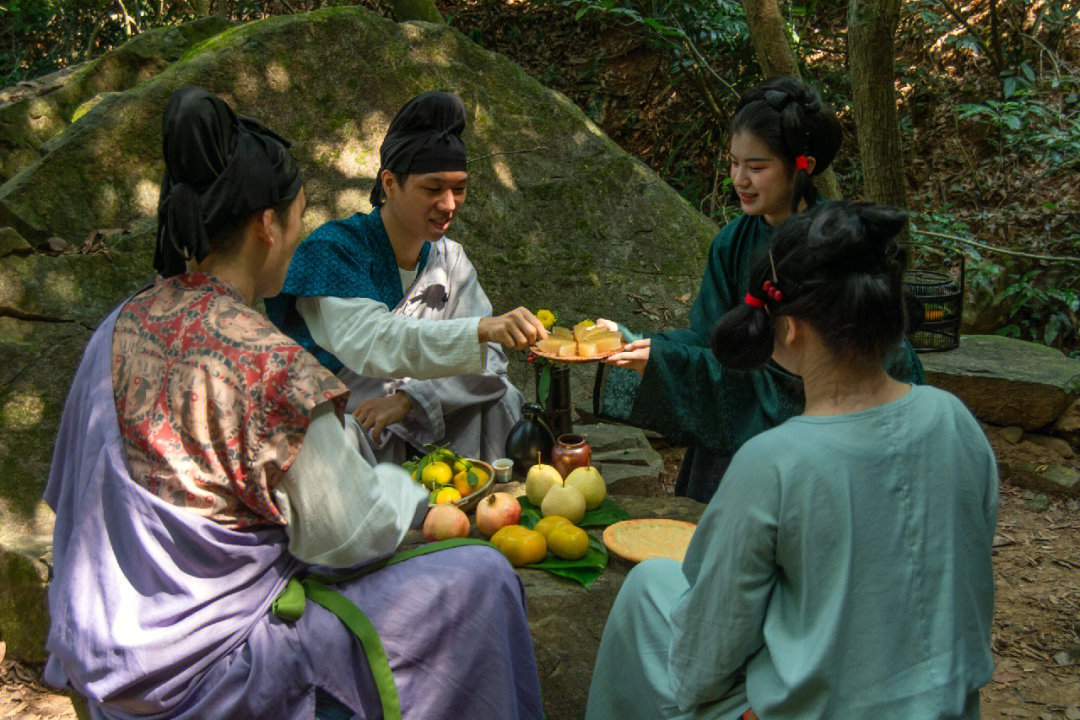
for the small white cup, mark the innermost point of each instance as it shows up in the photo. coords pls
(504, 468)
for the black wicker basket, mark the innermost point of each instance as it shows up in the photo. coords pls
(942, 299)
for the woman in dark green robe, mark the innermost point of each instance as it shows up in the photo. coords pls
(781, 135)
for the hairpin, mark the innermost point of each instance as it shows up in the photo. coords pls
(754, 301)
(801, 163)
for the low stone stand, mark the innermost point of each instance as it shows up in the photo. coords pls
(566, 620)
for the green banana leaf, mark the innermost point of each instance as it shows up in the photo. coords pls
(585, 570)
(607, 514)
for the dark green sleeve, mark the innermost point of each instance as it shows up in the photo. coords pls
(685, 393)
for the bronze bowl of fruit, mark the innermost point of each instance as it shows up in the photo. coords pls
(451, 478)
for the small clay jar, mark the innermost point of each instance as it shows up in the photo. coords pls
(570, 451)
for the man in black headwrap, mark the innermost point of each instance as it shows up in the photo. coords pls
(361, 293)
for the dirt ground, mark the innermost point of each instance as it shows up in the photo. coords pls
(1036, 636)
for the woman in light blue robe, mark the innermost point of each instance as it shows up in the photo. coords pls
(842, 570)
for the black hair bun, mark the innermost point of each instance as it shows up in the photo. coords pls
(856, 234)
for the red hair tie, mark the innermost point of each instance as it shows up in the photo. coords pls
(754, 302)
(801, 163)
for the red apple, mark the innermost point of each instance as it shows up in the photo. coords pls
(497, 511)
(445, 521)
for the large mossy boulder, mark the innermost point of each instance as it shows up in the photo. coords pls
(33, 112)
(557, 215)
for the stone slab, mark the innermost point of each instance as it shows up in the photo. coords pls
(1044, 478)
(1004, 381)
(625, 458)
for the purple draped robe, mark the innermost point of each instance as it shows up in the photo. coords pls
(159, 612)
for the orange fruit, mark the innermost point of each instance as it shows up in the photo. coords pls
(447, 495)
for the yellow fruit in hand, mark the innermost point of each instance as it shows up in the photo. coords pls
(546, 525)
(436, 473)
(568, 541)
(447, 495)
(522, 547)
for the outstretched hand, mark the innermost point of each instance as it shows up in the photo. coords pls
(634, 355)
(517, 329)
(379, 413)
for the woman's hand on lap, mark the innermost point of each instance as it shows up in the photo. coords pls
(634, 356)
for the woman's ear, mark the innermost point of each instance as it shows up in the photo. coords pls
(786, 330)
(810, 164)
(267, 226)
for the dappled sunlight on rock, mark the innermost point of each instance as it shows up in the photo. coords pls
(64, 286)
(107, 201)
(22, 411)
(350, 201)
(503, 173)
(354, 157)
(146, 196)
(315, 216)
(277, 78)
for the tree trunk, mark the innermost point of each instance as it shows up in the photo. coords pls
(871, 29)
(768, 32)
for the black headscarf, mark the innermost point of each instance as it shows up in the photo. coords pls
(219, 168)
(424, 137)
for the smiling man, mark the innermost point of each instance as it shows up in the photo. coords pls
(362, 294)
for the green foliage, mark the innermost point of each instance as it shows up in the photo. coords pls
(1042, 305)
(1048, 136)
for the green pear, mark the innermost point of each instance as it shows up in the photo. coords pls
(565, 502)
(539, 480)
(591, 484)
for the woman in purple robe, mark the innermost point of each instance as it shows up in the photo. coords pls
(202, 464)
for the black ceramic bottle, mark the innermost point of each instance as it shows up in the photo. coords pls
(528, 438)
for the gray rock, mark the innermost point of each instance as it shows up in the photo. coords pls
(24, 609)
(1070, 419)
(625, 458)
(1011, 434)
(34, 112)
(1044, 478)
(1054, 444)
(1005, 381)
(12, 243)
(567, 620)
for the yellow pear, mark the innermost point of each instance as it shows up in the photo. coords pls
(539, 480)
(591, 484)
(565, 501)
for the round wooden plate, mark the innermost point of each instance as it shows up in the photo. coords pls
(574, 358)
(637, 540)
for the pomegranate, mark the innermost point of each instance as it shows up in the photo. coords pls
(497, 511)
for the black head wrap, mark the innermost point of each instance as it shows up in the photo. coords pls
(219, 169)
(424, 137)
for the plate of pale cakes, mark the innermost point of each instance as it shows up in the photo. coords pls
(585, 342)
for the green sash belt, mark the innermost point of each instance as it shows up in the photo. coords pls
(289, 606)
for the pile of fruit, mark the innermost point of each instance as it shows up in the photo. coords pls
(585, 339)
(447, 475)
(562, 503)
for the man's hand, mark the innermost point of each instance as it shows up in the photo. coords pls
(516, 329)
(378, 413)
(635, 356)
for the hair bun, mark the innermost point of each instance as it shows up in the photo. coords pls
(856, 235)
